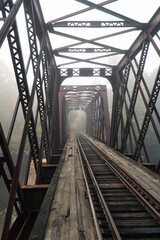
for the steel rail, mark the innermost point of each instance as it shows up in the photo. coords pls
(98, 231)
(108, 215)
(131, 184)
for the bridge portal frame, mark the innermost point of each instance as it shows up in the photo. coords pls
(98, 125)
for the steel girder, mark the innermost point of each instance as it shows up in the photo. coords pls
(92, 24)
(18, 64)
(64, 73)
(98, 125)
(123, 129)
(147, 118)
(91, 99)
(10, 165)
(124, 100)
(10, 30)
(118, 105)
(31, 22)
(135, 92)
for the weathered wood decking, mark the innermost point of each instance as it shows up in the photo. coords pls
(149, 180)
(70, 216)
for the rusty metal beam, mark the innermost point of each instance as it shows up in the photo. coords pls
(92, 24)
(135, 92)
(147, 117)
(82, 50)
(64, 73)
(20, 154)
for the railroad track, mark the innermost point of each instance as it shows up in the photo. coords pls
(121, 208)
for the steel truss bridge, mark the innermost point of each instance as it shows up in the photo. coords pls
(45, 103)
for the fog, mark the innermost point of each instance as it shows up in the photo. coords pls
(77, 120)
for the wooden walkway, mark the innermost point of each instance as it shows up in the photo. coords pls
(70, 217)
(148, 179)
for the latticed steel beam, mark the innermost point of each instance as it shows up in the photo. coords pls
(98, 127)
(18, 64)
(79, 96)
(145, 48)
(147, 108)
(83, 50)
(10, 165)
(118, 116)
(31, 20)
(84, 72)
(121, 99)
(101, 118)
(92, 24)
(151, 106)
(21, 151)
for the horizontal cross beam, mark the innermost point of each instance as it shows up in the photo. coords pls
(91, 24)
(83, 50)
(77, 88)
(84, 72)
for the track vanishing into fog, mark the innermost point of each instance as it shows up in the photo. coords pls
(121, 208)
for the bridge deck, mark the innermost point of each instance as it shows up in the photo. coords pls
(148, 179)
(70, 216)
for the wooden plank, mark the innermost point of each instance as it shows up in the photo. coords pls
(86, 224)
(70, 216)
(58, 226)
(149, 180)
(40, 225)
(74, 230)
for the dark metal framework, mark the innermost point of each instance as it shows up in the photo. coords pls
(135, 108)
(42, 76)
(90, 99)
